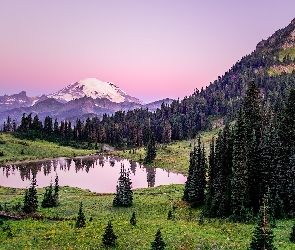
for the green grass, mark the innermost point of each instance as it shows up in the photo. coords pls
(15, 149)
(173, 156)
(151, 205)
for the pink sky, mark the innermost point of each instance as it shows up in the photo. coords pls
(152, 49)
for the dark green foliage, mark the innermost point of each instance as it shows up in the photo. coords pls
(194, 191)
(56, 190)
(262, 235)
(31, 198)
(1, 153)
(48, 200)
(240, 173)
(51, 199)
(169, 216)
(150, 149)
(291, 184)
(287, 145)
(292, 234)
(133, 219)
(109, 237)
(158, 243)
(81, 220)
(220, 169)
(8, 230)
(124, 194)
(9, 233)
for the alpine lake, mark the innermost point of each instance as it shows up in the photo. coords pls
(96, 173)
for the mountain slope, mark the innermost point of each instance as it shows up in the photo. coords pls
(16, 101)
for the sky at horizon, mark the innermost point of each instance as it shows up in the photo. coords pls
(150, 49)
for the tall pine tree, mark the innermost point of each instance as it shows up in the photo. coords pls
(194, 191)
(31, 198)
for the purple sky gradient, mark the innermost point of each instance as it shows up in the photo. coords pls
(152, 49)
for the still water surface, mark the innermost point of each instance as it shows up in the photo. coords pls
(96, 173)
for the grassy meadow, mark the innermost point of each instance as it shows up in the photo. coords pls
(173, 156)
(186, 230)
(15, 149)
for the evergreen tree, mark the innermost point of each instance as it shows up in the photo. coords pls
(158, 243)
(81, 220)
(48, 200)
(151, 149)
(109, 237)
(287, 144)
(31, 198)
(133, 219)
(240, 174)
(194, 191)
(253, 113)
(262, 235)
(219, 189)
(124, 194)
(56, 190)
(51, 199)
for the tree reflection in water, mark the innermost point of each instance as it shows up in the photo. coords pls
(151, 176)
(99, 170)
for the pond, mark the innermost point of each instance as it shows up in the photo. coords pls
(96, 173)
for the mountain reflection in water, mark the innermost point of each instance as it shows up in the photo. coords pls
(96, 173)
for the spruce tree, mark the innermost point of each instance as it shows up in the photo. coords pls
(133, 219)
(291, 184)
(48, 200)
(109, 237)
(81, 220)
(31, 198)
(158, 243)
(124, 194)
(240, 173)
(287, 143)
(212, 174)
(194, 191)
(262, 235)
(218, 194)
(56, 190)
(150, 149)
(51, 199)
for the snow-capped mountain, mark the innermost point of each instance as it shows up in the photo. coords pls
(88, 97)
(94, 88)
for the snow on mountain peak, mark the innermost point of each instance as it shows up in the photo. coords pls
(91, 87)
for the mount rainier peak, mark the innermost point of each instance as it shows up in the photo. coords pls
(94, 88)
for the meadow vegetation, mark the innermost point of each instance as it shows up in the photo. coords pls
(186, 228)
(14, 149)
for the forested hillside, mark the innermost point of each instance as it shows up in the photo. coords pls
(250, 162)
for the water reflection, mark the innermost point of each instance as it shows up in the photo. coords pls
(96, 173)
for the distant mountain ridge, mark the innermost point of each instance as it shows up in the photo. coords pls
(88, 97)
